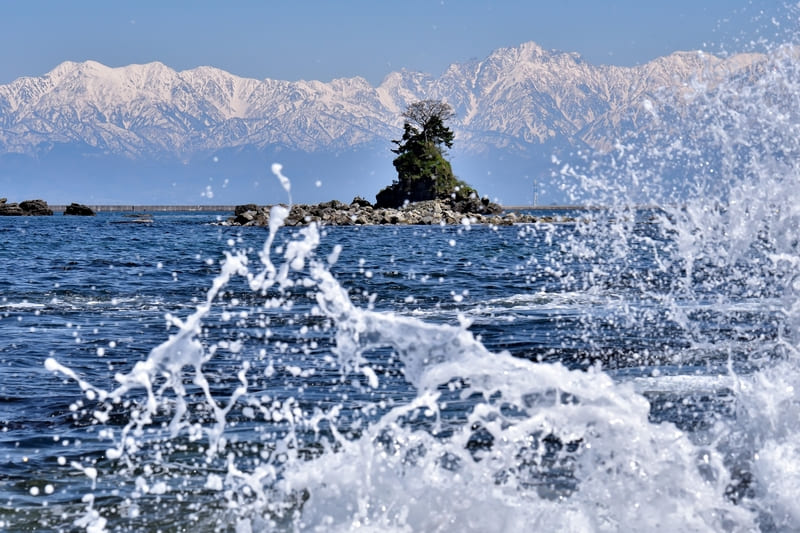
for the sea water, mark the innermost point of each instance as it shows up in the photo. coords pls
(621, 369)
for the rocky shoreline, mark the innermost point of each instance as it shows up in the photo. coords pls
(361, 212)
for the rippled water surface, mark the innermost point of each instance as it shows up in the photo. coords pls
(387, 378)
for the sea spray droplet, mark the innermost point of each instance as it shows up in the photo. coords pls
(277, 216)
(285, 183)
(113, 453)
(214, 482)
(372, 377)
(610, 464)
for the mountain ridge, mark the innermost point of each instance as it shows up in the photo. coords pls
(153, 106)
(514, 102)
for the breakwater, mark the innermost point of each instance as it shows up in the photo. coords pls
(150, 208)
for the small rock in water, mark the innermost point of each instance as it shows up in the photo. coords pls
(135, 218)
(36, 208)
(75, 209)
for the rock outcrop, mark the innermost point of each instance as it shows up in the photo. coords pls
(362, 213)
(80, 210)
(26, 208)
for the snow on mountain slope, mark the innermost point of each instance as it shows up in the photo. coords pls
(514, 99)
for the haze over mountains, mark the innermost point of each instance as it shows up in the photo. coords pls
(148, 134)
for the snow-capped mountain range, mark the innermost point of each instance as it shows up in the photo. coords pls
(514, 104)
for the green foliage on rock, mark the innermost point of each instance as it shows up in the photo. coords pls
(423, 173)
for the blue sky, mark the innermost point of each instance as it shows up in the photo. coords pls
(326, 39)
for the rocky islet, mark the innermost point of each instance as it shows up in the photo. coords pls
(26, 208)
(361, 212)
(79, 210)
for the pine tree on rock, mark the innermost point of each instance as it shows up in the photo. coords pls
(423, 173)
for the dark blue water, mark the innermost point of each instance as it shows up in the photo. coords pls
(93, 293)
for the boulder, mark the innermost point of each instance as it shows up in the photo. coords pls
(474, 204)
(79, 210)
(239, 209)
(334, 204)
(245, 217)
(35, 208)
(360, 202)
(10, 210)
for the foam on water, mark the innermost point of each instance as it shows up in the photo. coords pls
(733, 246)
(490, 442)
(529, 435)
(531, 444)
